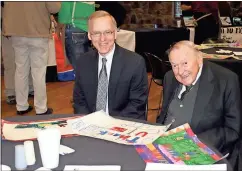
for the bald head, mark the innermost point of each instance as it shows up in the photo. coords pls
(187, 47)
(186, 61)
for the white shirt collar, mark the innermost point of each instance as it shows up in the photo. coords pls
(194, 82)
(198, 75)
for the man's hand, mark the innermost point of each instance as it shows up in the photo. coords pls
(59, 29)
(185, 7)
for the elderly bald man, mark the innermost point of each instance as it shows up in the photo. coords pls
(203, 94)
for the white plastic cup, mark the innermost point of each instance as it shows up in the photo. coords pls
(29, 152)
(49, 145)
(20, 160)
(178, 22)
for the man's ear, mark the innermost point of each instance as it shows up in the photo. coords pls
(115, 34)
(89, 36)
(200, 59)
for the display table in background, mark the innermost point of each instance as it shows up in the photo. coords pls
(126, 39)
(230, 34)
(232, 63)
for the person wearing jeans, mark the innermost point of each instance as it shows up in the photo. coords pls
(76, 43)
(72, 18)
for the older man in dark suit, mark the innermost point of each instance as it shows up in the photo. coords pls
(204, 95)
(109, 78)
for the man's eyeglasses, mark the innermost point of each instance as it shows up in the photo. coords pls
(105, 33)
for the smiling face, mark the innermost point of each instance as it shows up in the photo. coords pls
(185, 63)
(102, 32)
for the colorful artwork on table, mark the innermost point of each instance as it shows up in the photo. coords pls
(102, 126)
(21, 131)
(150, 154)
(178, 146)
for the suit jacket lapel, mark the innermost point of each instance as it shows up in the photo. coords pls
(116, 69)
(204, 93)
(93, 73)
(171, 88)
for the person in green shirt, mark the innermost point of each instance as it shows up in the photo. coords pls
(72, 18)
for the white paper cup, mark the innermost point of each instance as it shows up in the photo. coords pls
(49, 145)
(178, 22)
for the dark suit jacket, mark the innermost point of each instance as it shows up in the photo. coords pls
(240, 156)
(216, 114)
(128, 85)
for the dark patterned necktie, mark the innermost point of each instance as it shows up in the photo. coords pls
(188, 88)
(102, 88)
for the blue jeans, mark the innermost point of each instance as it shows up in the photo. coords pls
(76, 43)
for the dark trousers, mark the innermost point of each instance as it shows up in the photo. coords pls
(76, 43)
(207, 27)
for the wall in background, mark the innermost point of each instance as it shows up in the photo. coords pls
(145, 14)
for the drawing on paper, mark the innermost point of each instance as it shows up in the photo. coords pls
(150, 154)
(180, 146)
(101, 126)
(42, 125)
(20, 131)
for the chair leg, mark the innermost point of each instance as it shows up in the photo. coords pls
(159, 104)
(147, 105)
(148, 100)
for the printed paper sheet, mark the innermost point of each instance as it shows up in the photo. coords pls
(172, 167)
(101, 126)
(92, 168)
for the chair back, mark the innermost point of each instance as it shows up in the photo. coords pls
(213, 41)
(158, 66)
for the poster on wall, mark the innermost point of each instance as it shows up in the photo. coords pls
(232, 34)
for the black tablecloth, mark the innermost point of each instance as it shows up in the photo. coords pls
(88, 151)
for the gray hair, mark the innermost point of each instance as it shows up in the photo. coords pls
(187, 44)
(99, 14)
